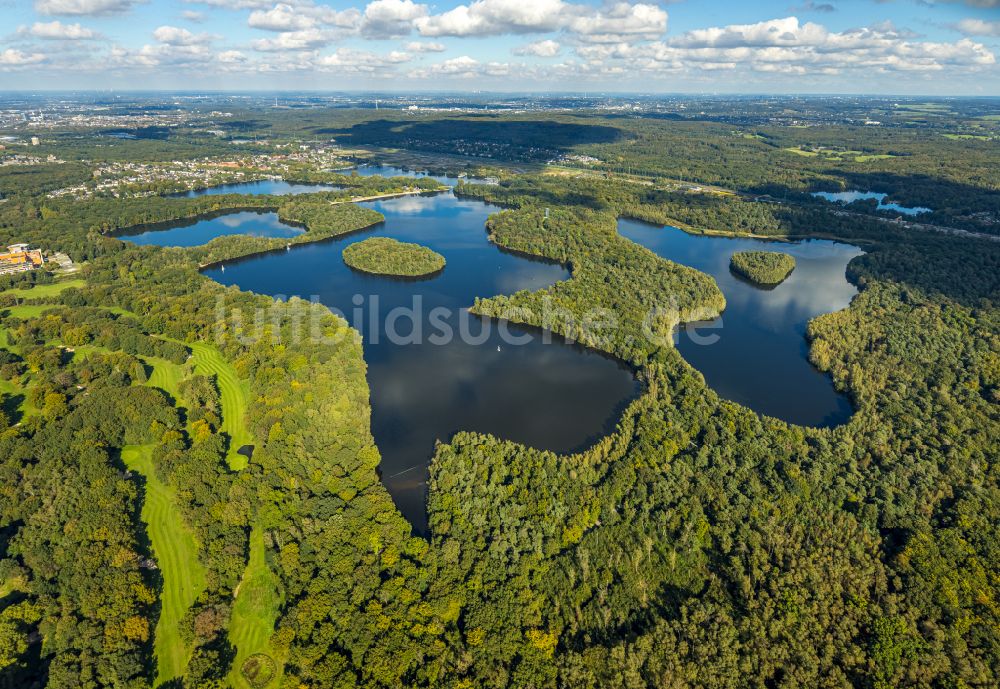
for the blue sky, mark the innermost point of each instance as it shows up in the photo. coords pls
(805, 46)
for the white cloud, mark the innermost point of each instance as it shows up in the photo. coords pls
(776, 32)
(425, 47)
(978, 27)
(57, 31)
(281, 18)
(346, 60)
(614, 21)
(391, 18)
(307, 39)
(234, 4)
(786, 46)
(176, 36)
(463, 67)
(489, 17)
(612, 42)
(380, 18)
(85, 7)
(546, 48)
(619, 21)
(166, 55)
(302, 17)
(17, 58)
(231, 57)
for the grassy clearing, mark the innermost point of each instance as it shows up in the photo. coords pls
(834, 154)
(235, 395)
(45, 291)
(801, 152)
(166, 375)
(30, 310)
(17, 405)
(958, 137)
(176, 553)
(9, 387)
(255, 612)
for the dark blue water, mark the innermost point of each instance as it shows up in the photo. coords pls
(553, 395)
(277, 187)
(756, 353)
(196, 232)
(425, 386)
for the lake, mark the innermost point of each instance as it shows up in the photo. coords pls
(544, 392)
(277, 187)
(758, 356)
(852, 196)
(392, 171)
(198, 231)
(555, 396)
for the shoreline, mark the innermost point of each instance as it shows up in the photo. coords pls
(286, 245)
(390, 195)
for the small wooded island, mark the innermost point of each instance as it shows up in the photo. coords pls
(385, 256)
(762, 267)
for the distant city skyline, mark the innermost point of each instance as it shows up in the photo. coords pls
(799, 46)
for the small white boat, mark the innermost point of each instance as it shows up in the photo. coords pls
(498, 348)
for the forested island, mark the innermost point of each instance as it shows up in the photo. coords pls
(762, 267)
(699, 544)
(387, 256)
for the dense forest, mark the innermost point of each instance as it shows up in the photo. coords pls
(762, 267)
(698, 545)
(387, 256)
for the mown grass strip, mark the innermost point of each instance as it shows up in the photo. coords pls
(235, 395)
(255, 612)
(176, 552)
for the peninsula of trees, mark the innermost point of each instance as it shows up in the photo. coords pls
(762, 267)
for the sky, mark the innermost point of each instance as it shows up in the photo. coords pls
(899, 47)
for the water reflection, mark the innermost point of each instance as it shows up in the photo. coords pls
(760, 356)
(277, 187)
(196, 232)
(553, 396)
